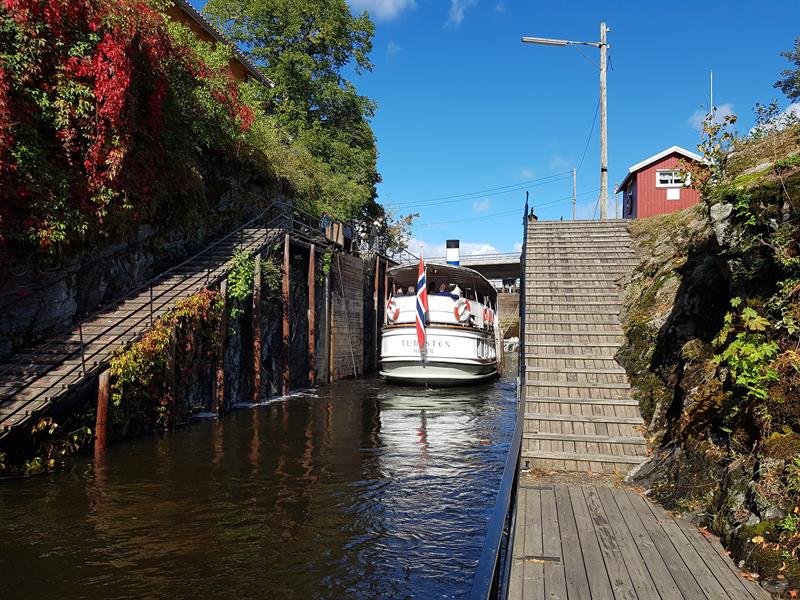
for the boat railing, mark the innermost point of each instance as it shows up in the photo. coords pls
(441, 309)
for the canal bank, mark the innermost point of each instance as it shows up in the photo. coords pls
(356, 490)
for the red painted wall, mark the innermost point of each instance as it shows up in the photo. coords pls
(650, 200)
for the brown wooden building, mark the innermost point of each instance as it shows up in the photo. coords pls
(241, 68)
(657, 185)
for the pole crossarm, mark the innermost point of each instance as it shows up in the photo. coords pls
(549, 42)
(603, 46)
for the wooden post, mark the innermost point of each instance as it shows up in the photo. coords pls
(312, 340)
(257, 331)
(101, 422)
(376, 285)
(285, 312)
(218, 400)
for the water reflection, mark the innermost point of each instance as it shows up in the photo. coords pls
(358, 491)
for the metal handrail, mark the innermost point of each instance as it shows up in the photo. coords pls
(268, 228)
(47, 343)
(494, 566)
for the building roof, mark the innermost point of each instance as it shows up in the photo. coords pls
(222, 39)
(655, 158)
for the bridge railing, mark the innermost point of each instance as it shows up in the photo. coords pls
(476, 259)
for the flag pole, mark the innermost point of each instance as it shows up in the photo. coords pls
(423, 351)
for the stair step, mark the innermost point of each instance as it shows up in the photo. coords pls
(529, 321)
(576, 384)
(554, 344)
(588, 401)
(583, 418)
(566, 370)
(606, 458)
(574, 437)
(550, 355)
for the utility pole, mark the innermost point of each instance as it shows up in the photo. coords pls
(603, 126)
(603, 46)
(574, 193)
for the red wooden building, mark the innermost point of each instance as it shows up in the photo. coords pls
(657, 186)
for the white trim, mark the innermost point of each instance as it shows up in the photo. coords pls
(656, 157)
(687, 179)
(662, 154)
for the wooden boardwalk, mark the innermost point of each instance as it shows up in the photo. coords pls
(32, 382)
(581, 540)
(607, 543)
(579, 415)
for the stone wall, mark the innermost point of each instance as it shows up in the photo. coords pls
(41, 296)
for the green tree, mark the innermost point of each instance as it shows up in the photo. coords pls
(304, 46)
(789, 84)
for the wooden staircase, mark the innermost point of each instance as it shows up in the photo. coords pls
(579, 414)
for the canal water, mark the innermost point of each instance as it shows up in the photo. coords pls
(357, 490)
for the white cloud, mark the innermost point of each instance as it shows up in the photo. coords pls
(500, 7)
(473, 248)
(392, 48)
(440, 250)
(559, 164)
(382, 10)
(483, 205)
(722, 111)
(526, 173)
(457, 10)
(789, 116)
(518, 247)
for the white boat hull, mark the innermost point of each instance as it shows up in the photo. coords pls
(454, 356)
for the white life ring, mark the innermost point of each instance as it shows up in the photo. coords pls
(462, 310)
(392, 310)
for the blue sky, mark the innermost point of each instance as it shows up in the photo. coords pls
(464, 106)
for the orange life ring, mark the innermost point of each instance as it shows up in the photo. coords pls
(392, 310)
(462, 310)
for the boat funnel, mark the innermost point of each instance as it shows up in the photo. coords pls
(452, 253)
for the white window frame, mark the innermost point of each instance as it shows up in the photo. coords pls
(686, 182)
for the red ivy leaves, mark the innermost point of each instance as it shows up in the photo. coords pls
(127, 60)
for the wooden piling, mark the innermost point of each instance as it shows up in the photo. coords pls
(218, 400)
(376, 285)
(285, 312)
(312, 350)
(101, 421)
(257, 331)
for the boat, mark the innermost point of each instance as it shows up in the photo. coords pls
(461, 328)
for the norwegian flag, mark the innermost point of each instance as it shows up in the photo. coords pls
(422, 306)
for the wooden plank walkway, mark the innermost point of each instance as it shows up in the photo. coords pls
(573, 538)
(579, 415)
(607, 543)
(32, 381)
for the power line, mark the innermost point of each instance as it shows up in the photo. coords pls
(504, 213)
(522, 187)
(591, 132)
(478, 192)
(500, 214)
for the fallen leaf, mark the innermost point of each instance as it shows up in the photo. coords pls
(794, 593)
(757, 539)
